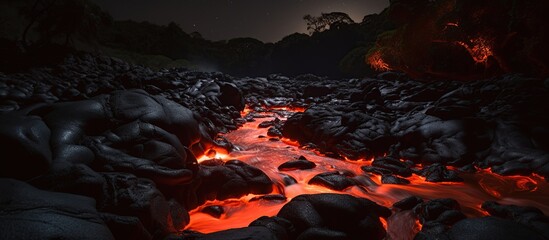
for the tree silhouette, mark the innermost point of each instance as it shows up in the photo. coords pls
(65, 18)
(327, 21)
(33, 13)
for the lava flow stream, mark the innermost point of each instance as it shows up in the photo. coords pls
(267, 154)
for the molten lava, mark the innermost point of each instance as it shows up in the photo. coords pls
(215, 155)
(376, 61)
(267, 155)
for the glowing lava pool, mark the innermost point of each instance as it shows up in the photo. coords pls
(265, 153)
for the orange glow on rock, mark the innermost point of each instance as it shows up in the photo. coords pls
(482, 211)
(375, 60)
(246, 110)
(383, 222)
(290, 109)
(290, 142)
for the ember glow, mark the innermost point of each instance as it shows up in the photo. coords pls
(479, 48)
(267, 155)
(376, 61)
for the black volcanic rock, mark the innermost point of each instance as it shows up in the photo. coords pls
(375, 170)
(126, 195)
(215, 211)
(301, 164)
(321, 216)
(437, 216)
(288, 180)
(530, 217)
(391, 179)
(126, 131)
(231, 95)
(231, 179)
(431, 210)
(84, 133)
(393, 165)
(29, 213)
(491, 228)
(282, 228)
(427, 139)
(267, 124)
(333, 180)
(24, 143)
(408, 203)
(496, 123)
(506, 222)
(316, 91)
(351, 133)
(274, 132)
(439, 173)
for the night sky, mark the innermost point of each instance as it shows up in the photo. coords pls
(266, 20)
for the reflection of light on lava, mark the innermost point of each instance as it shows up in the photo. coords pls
(375, 60)
(289, 109)
(220, 156)
(267, 155)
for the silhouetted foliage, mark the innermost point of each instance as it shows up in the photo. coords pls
(326, 21)
(467, 39)
(66, 19)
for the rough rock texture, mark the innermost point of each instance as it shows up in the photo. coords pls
(333, 180)
(29, 213)
(231, 179)
(83, 128)
(323, 216)
(443, 219)
(301, 163)
(497, 123)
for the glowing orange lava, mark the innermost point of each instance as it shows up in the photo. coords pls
(376, 61)
(384, 222)
(290, 108)
(217, 155)
(267, 155)
(418, 225)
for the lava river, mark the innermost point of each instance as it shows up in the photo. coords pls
(258, 150)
